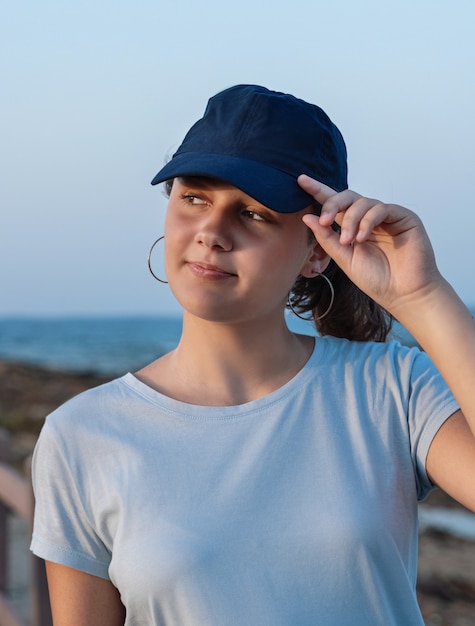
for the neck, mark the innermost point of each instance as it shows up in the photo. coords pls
(224, 364)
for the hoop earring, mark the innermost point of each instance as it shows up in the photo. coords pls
(165, 282)
(305, 319)
(328, 309)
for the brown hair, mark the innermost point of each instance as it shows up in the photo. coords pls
(353, 315)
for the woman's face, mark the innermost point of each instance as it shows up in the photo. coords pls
(229, 258)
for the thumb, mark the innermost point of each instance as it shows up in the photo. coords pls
(329, 240)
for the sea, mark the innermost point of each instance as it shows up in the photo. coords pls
(108, 346)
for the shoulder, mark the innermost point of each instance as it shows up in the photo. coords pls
(103, 395)
(91, 414)
(380, 367)
(88, 431)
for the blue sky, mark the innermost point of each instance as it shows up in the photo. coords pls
(97, 93)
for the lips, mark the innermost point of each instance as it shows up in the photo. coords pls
(209, 271)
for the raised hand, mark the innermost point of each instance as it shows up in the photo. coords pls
(383, 248)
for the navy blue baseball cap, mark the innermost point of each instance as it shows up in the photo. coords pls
(260, 141)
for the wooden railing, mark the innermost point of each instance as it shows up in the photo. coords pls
(16, 498)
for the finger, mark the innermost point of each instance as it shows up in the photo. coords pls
(329, 240)
(322, 193)
(375, 216)
(315, 188)
(360, 219)
(357, 222)
(332, 202)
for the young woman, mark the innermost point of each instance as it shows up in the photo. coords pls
(254, 476)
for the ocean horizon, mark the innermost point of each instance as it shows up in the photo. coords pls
(108, 345)
(105, 345)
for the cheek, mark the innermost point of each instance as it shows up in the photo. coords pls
(172, 245)
(170, 222)
(298, 250)
(283, 270)
(176, 229)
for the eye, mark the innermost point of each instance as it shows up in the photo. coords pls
(253, 216)
(192, 199)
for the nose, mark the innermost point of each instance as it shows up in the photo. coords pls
(215, 231)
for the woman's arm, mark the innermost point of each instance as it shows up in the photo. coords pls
(385, 251)
(80, 599)
(445, 329)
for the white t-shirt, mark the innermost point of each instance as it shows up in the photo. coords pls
(296, 509)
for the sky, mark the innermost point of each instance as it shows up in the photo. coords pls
(96, 94)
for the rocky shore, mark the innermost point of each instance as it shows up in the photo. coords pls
(446, 583)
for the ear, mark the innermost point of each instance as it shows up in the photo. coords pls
(316, 263)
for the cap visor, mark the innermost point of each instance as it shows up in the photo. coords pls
(273, 188)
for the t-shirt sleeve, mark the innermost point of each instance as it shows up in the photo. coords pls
(62, 531)
(430, 404)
